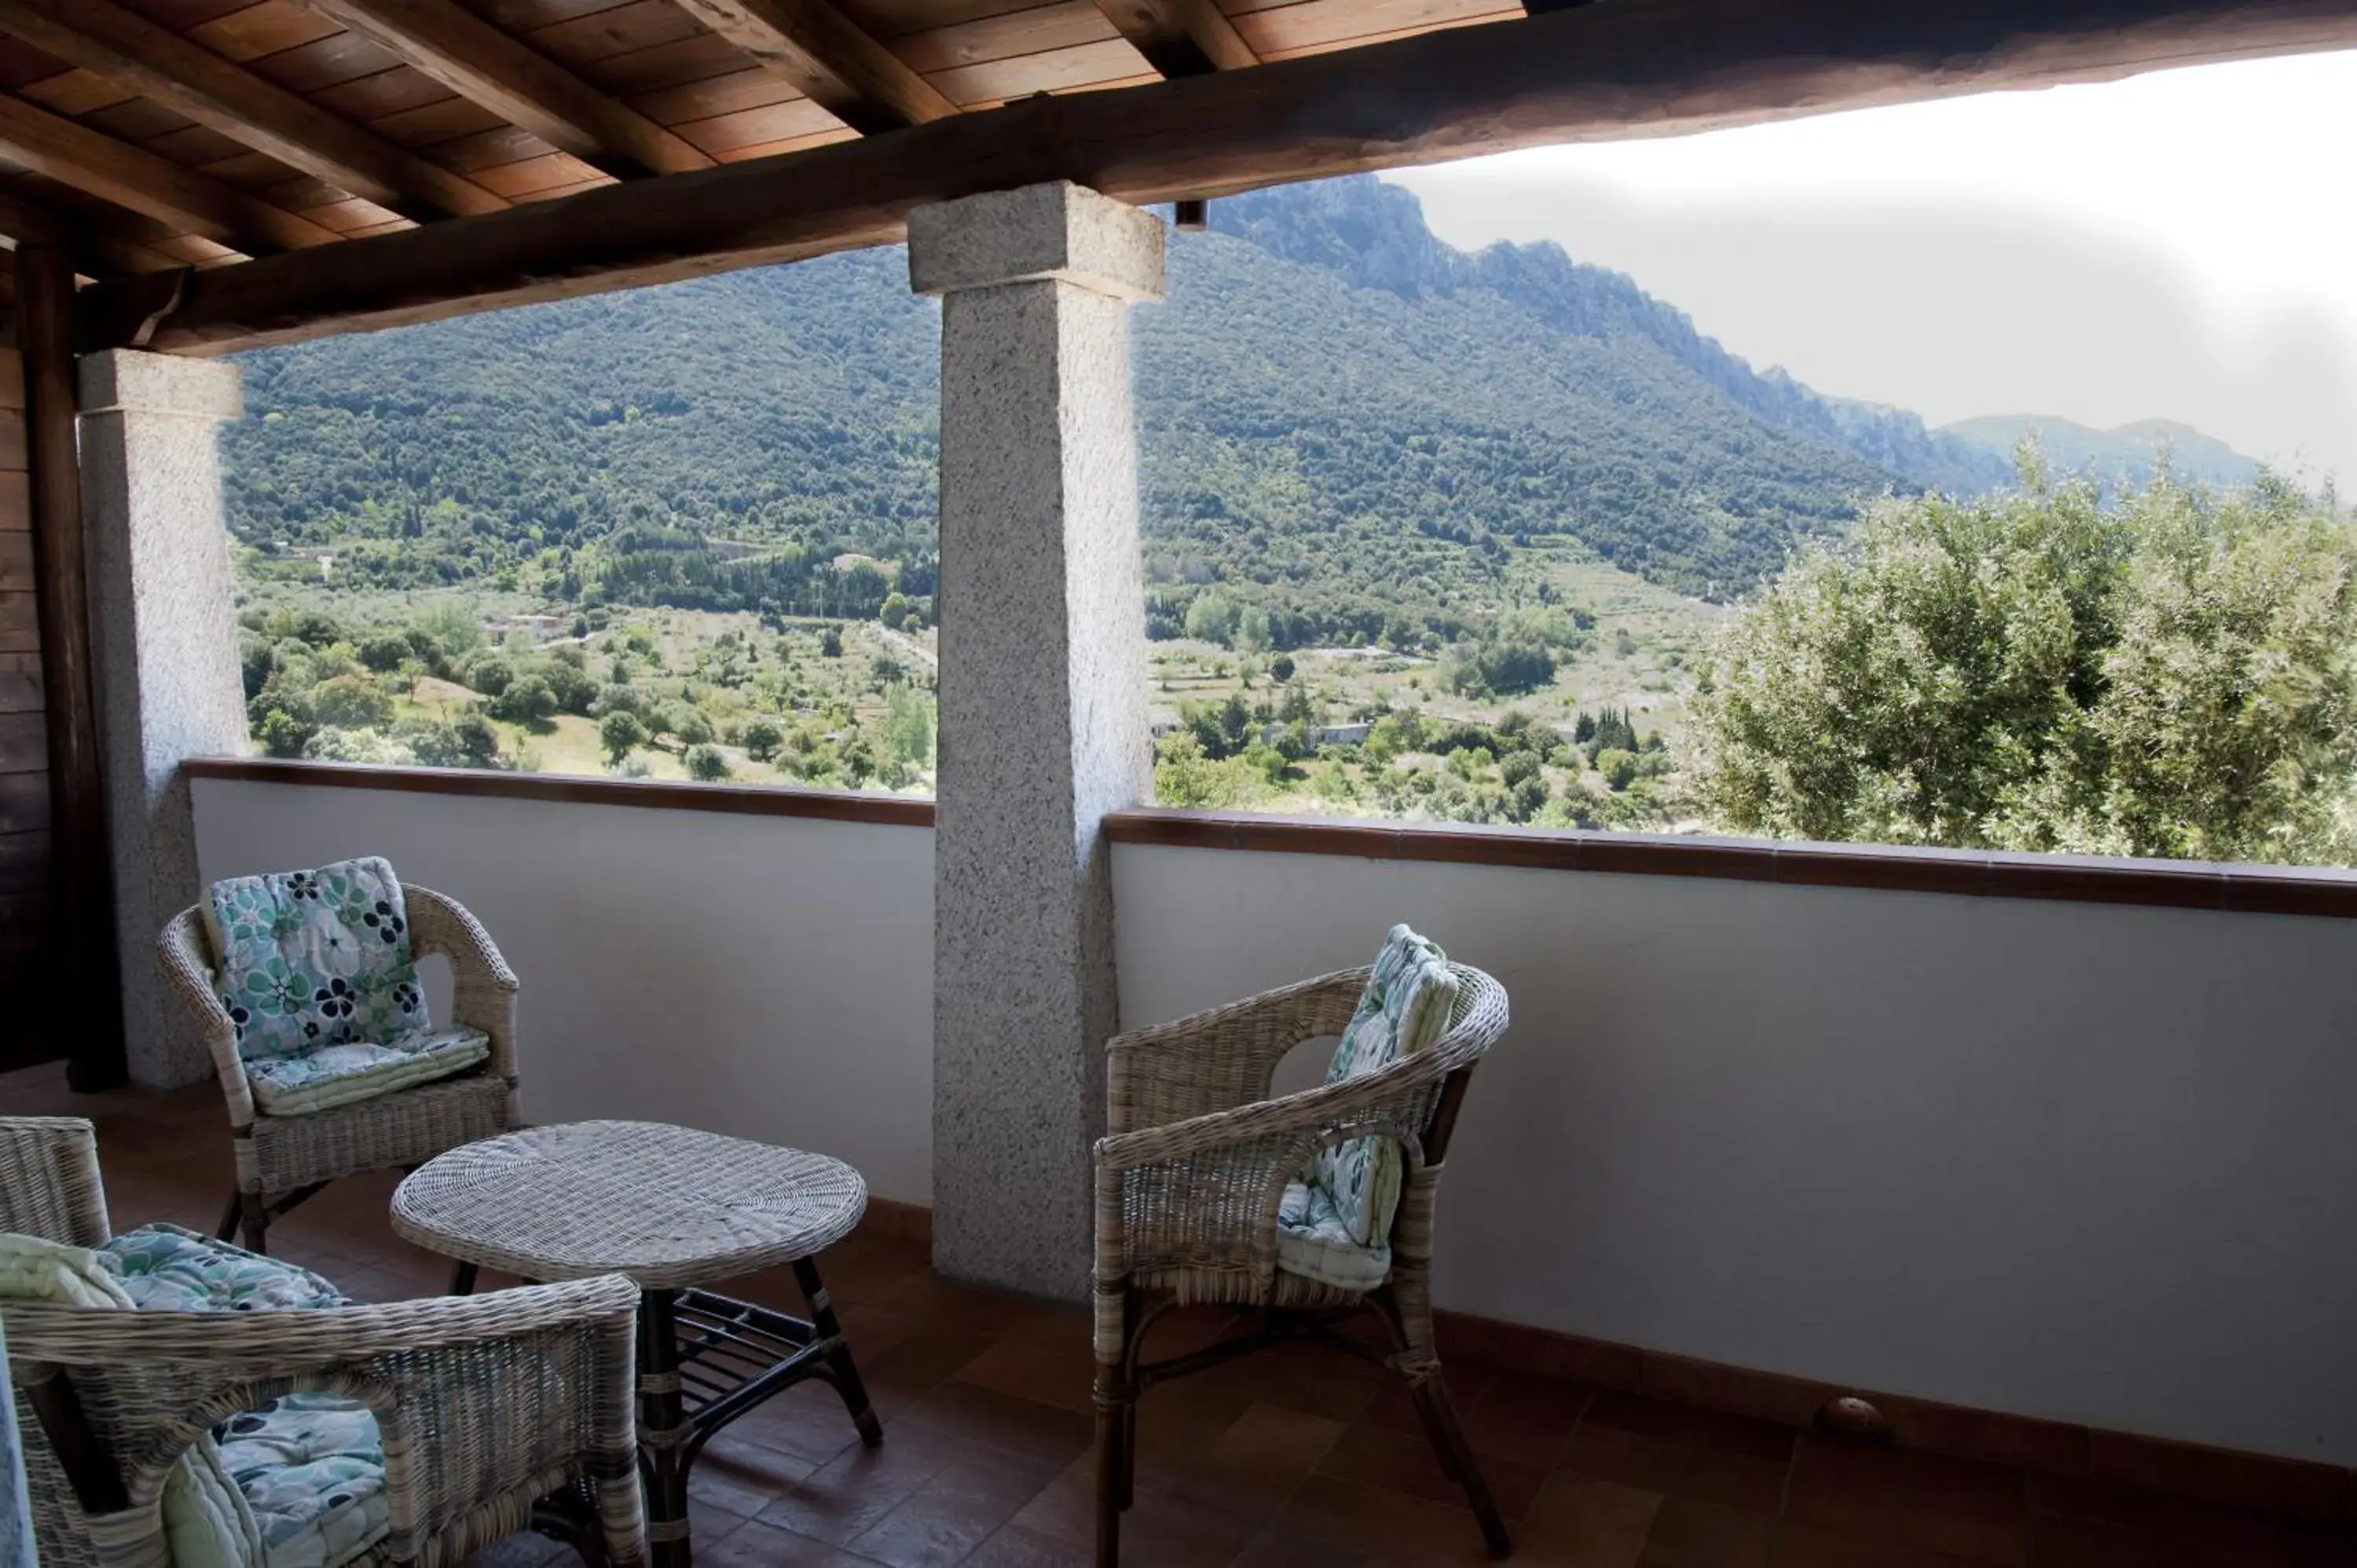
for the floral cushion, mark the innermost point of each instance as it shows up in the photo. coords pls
(1314, 1241)
(207, 1523)
(314, 958)
(311, 1469)
(329, 1076)
(1403, 1009)
(164, 1268)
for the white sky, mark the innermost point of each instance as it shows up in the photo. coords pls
(2181, 245)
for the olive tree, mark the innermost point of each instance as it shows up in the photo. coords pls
(2167, 673)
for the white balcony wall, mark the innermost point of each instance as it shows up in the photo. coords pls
(769, 977)
(2077, 1161)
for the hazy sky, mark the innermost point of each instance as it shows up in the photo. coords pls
(2182, 245)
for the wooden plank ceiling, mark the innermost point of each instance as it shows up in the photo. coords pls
(157, 134)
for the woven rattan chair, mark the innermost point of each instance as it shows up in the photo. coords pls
(283, 1160)
(1188, 1184)
(498, 1412)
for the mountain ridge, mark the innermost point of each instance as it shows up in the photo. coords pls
(2126, 452)
(1344, 423)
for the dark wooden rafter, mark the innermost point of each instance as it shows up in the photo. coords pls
(1181, 38)
(97, 251)
(478, 61)
(133, 52)
(1592, 73)
(829, 59)
(135, 178)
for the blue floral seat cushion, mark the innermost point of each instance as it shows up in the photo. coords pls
(166, 1268)
(354, 1070)
(309, 1466)
(1337, 1229)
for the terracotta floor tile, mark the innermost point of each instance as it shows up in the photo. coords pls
(2312, 1543)
(753, 1544)
(1016, 1547)
(1059, 1371)
(1276, 1548)
(1045, 1433)
(1690, 1428)
(1157, 1531)
(1383, 1524)
(1728, 1479)
(1249, 1468)
(860, 1485)
(1689, 1533)
(2075, 1543)
(1810, 1546)
(1579, 1521)
(1925, 1500)
(1403, 1462)
(1526, 1419)
(737, 1477)
(962, 1504)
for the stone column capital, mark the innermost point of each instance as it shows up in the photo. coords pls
(1058, 233)
(126, 380)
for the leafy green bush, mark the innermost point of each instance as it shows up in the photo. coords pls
(707, 764)
(621, 733)
(526, 701)
(763, 740)
(2173, 674)
(350, 701)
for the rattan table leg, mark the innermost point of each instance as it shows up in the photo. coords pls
(663, 1430)
(844, 1373)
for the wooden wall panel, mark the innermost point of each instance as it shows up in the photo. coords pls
(27, 929)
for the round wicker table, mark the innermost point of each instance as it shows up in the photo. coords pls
(671, 1208)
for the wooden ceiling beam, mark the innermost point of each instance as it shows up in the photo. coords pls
(131, 51)
(134, 177)
(1596, 72)
(98, 252)
(829, 58)
(523, 87)
(1181, 38)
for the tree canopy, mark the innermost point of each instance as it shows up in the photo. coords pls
(2173, 673)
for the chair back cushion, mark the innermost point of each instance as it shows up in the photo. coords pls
(314, 958)
(1403, 1009)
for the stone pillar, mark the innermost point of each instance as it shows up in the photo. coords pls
(1043, 725)
(165, 652)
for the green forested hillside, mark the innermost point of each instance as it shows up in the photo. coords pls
(1347, 453)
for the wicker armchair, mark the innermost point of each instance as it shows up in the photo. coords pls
(1188, 1185)
(498, 1412)
(283, 1160)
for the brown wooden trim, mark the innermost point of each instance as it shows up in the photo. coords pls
(2168, 883)
(732, 799)
(1664, 66)
(83, 858)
